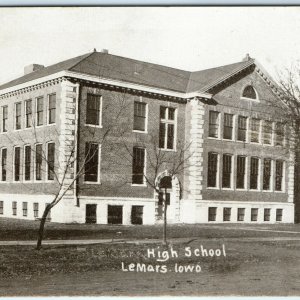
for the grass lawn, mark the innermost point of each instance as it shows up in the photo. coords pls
(14, 229)
(249, 268)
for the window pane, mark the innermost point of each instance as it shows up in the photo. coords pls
(212, 213)
(52, 108)
(279, 175)
(213, 124)
(226, 213)
(4, 118)
(267, 174)
(17, 164)
(240, 176)
(27, 162)
(38, 162)
(267, 132)
(50, 160)
(163, 112)
(4, 161)
(254, 163)
(278, 214)
(212, 169)
(242, 128)
(255, 127)
(254, 213)
(162, 132)
(138, 164)
(18, 116)
(279, 131)
(267, 213)
(170, 144)
(249, 92)
(228, 125)
(91, 162)
(139, 122)
(40, 111)
(241, 214)
(171, 114)
(226, 178)
(28, 108)
(93, 109)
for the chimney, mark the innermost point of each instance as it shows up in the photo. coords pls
(31, 68)
(247, 57)
(104, 51)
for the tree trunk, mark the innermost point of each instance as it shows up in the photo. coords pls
(165, 219)
(42, 225)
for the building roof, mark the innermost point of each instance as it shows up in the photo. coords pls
(129, 70)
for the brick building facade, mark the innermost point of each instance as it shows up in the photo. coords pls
(111, 114)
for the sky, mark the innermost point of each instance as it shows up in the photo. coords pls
(189, 38)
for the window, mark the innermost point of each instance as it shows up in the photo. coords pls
(249, 92)
(212, 170)
(267, 174)
(38, 161)
(267, 132)
(278, 175)
(36, 210)
(91, 162)
(51, 108)
(14, 208)
(213, 124)
(50, 160)
(93, 109)
(137, 214)
(18, 115)
(114, 214)
(278, 214)
(138, 165)
(139, 122)
(39, 111)
(24, 206)
(226, 178)
(167, 128)
(228, 126)
(240, 172)
(226, 213)
(254, 168)
(279, 134)
(3, 164)
(255, 128)
(267, 213)
(28, 113)
(27, 162)
(17, 163)
(241, 214)
(212, 213)
(1, 207)
(242, 129)
(4, 118)
(254, 213)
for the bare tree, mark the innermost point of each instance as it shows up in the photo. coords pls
(174, 163)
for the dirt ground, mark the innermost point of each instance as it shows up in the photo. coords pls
(249, 268)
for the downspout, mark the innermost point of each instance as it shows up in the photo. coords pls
(76, 143)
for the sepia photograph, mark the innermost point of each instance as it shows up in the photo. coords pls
(150, 151)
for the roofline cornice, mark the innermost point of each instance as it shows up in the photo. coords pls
(24, 87)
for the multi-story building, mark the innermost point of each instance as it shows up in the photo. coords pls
(88, 130)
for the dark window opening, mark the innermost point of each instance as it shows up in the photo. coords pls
(52, 109)
(27, 162)
(278, 214)
(212, 170)
(254, 164)
(279, 175)
(93, 109)
(91, 213)
(212, 213)
(226, 174)
(28, 113)
(91, 162)
(242, 128)
(137, 215)
(51, 160)
(240, 172)
(36, 210)
(226, 214)
(3, 164)
(40, 111)
(267, 213)
(249, 92)
(24, 207)
(228, 126)
(4, 118)
(17, 163)
(138, 165)
(18, 116)
(241, 214)
(115, 214)
(38, 161)
(254, 213)
(267, 174)
(213, 124)
(255, 128)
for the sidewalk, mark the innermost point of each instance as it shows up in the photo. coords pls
(146, 241)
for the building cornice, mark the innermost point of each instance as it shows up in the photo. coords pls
(59, 76)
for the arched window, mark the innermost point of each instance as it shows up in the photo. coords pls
(249, 92)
